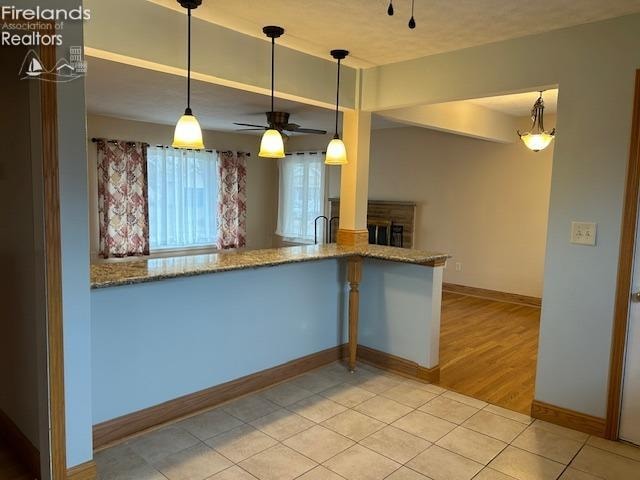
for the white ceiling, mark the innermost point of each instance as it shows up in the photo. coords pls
(363, 27)
(123, 91)
(519, 104)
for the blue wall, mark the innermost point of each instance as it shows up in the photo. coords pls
(156, 341)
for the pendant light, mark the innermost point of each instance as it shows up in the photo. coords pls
(272, 145)
(412, 21)
(188, 133)
(537, 138)
(336, 151)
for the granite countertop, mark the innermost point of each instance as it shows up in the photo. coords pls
(110, 274)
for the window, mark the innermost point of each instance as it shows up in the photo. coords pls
(183, 197)
(301, 196)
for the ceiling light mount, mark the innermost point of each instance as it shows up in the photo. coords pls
(190, 4)
(271, 31)
(537, 138)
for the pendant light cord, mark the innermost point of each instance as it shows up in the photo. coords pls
(189, 60)
(337, 98)
(273, 74)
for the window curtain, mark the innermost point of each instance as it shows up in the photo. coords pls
(301, 195)
(122, 198)
(183, 195)
(232, 200)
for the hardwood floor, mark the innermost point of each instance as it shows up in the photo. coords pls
(488, 350)
(10, 467)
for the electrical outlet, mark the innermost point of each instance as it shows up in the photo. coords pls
(583, 233)
(458, 266)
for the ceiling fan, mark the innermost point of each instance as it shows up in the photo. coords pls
(280, 121)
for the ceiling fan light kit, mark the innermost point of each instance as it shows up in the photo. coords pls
(336, 150)
(188, 133)
(537, 138)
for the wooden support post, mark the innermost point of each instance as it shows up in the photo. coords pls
(354, 275)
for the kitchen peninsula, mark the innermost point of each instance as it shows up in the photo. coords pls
(174, 335)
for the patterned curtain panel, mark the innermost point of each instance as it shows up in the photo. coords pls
(122, 198)
(232, 200)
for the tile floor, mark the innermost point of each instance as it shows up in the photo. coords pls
(329, 424)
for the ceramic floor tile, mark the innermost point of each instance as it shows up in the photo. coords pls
(318, 443)
(353, 425)
(376, 383)
(241, 443)
(623, 449)
(286, 394)
(282, 424)
(440, 464)
(383, 409)
(347, 394)
(277, 463)
(607, 465)
(317, 408)
(517, 416)
(315, 381)
(491, 474)
(155, 445)
(194, 463)
(473, 445)
(472, 402)
(250, 407)
(360, 463)
(320, 473)
(404, 473)
(429, 387)
(448, 409)
(410, 395)
(547, 444)
(209, 424)
(495, 426)
(526, 466)
(563, 431)
(395, 444)
(122, 463)
(573, 474)
(232, 473)
(424, 425)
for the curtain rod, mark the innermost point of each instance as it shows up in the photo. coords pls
(303, 153)
(96, 140)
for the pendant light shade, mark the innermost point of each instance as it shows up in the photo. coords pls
(336, 151)
(538, 138)
(188, 133)
(272, 145)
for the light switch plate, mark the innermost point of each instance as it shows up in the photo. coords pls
(583, 233)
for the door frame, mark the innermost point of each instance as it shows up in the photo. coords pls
(625, 273)
(52, 253)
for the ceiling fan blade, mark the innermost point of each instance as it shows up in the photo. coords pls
(250, 125)
(310, 130)
(250, 129)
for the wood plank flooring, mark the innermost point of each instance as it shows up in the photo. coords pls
(11, 468)
(488, 350)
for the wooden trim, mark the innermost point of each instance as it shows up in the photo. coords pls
(84, 471)
(352, 238)
(625, 273)
(401, 366)
(53, 269)
(21, 445)
(568, 418)
(115, 430)
(492, 294)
